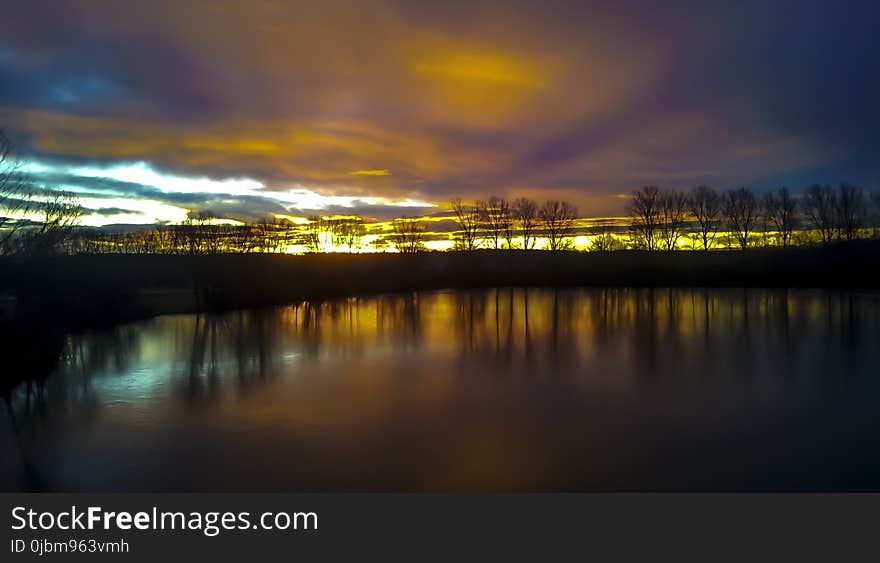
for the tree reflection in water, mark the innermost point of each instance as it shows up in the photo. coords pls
(537, 369)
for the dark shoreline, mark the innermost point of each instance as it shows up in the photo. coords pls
(89, 291)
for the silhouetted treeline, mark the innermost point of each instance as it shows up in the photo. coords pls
(671, 219)
(194, 236)
(500, 224)
(659, 219)
(202, 235)
(703, 219)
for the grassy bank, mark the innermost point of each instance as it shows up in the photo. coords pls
(88, 290)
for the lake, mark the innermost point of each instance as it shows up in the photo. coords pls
(492, 390)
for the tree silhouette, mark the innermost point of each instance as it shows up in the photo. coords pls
(673, 216)
(59, 213)
(604, 239)
(244, 239)
(557, 220)
(780, 210)
(15, 197)
(741, 210)
(509, 227)
(408, 234)
(348, 232)
(645, 214)
(315, 228)
(271, 234)
(820, 208)
(705, 206)
(496, 220)
(525, 212)
(468, 218)
(850, 210)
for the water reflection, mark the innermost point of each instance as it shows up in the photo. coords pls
(599, 389)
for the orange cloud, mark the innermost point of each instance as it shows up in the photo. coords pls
(379, 172)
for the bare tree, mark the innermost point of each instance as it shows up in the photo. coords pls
(271, 234)
(207, 237)
(348, 232)
(495, 219)
(673, 217)
(741, 210)
(143, 242)
(525, 211)
(468, 218)
(509, 229)
(604, 239)
(557, 221)
(850, 210)
(408, 234)
(315, 233)
(705, 206)
(162, 239)
(780, 210)
(59, 214)
(469, 221)
(194, 232)
(820, 208)
(245, 238)
(15, 197)
(645, 213)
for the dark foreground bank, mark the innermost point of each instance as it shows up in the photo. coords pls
(93, 290)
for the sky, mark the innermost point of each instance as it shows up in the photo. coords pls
(150, 110)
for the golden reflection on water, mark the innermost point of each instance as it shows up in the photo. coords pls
(460, 390)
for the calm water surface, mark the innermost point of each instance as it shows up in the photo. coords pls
(591, 389)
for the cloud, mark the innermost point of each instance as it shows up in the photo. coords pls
(137, 188)
(381, 172)
(284, 107)
(108, 211)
